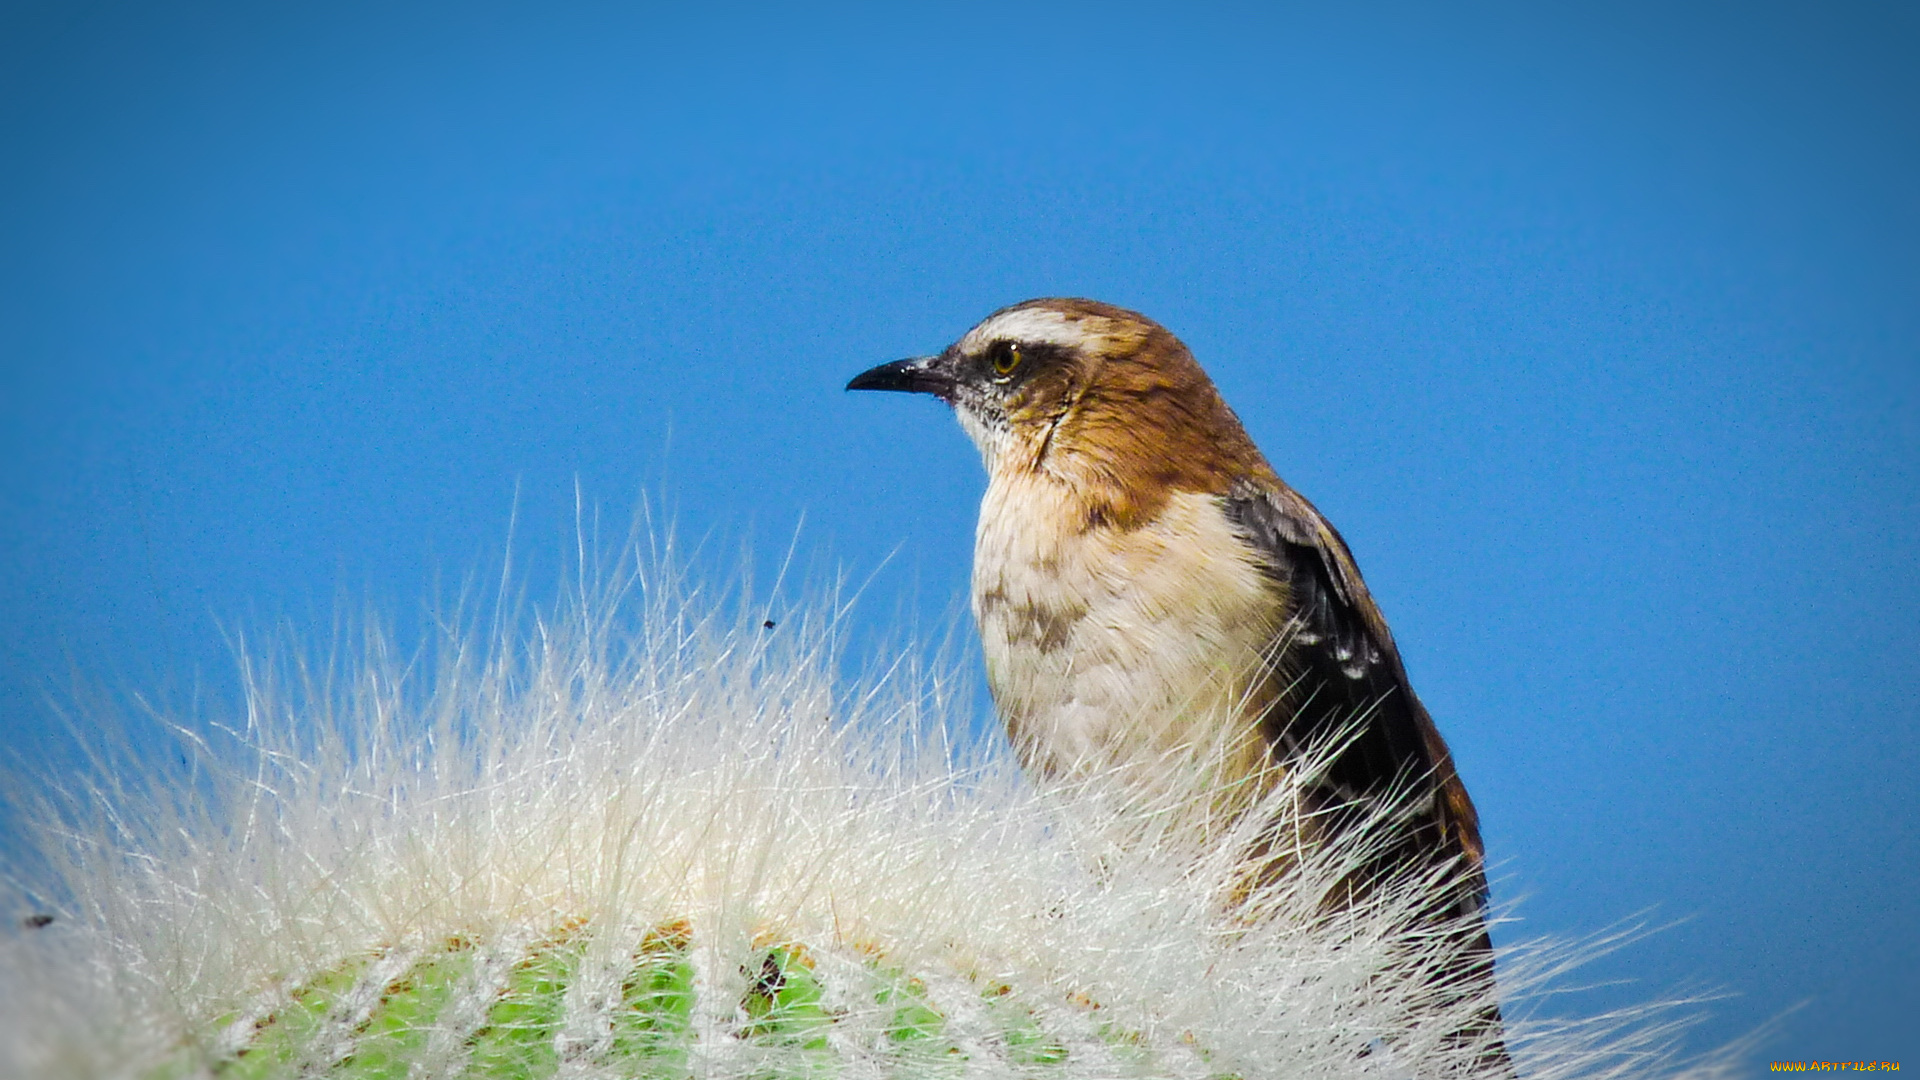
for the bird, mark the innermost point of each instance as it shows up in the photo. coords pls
(1154, 602)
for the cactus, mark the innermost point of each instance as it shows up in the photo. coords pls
(651, 836)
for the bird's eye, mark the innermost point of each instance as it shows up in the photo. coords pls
(1007, 358)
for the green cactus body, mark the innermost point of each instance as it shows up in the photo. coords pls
(339, 1024)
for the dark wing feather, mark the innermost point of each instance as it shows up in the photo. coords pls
(1338, 659)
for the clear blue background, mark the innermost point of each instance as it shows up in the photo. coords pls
(1596, 330)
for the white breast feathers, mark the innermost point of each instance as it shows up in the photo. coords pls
(1139, 651)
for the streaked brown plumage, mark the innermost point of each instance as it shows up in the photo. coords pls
(1153, 599)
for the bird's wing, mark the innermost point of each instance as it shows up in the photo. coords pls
(1337, 654)
(1338, 657)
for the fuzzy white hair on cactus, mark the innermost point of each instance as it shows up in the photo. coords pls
(651, 834)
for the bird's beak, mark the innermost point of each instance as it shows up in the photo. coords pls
(915, 375)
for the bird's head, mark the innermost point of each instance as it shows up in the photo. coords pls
(1083, 390)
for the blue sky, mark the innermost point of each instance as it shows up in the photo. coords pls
(1596, 331)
